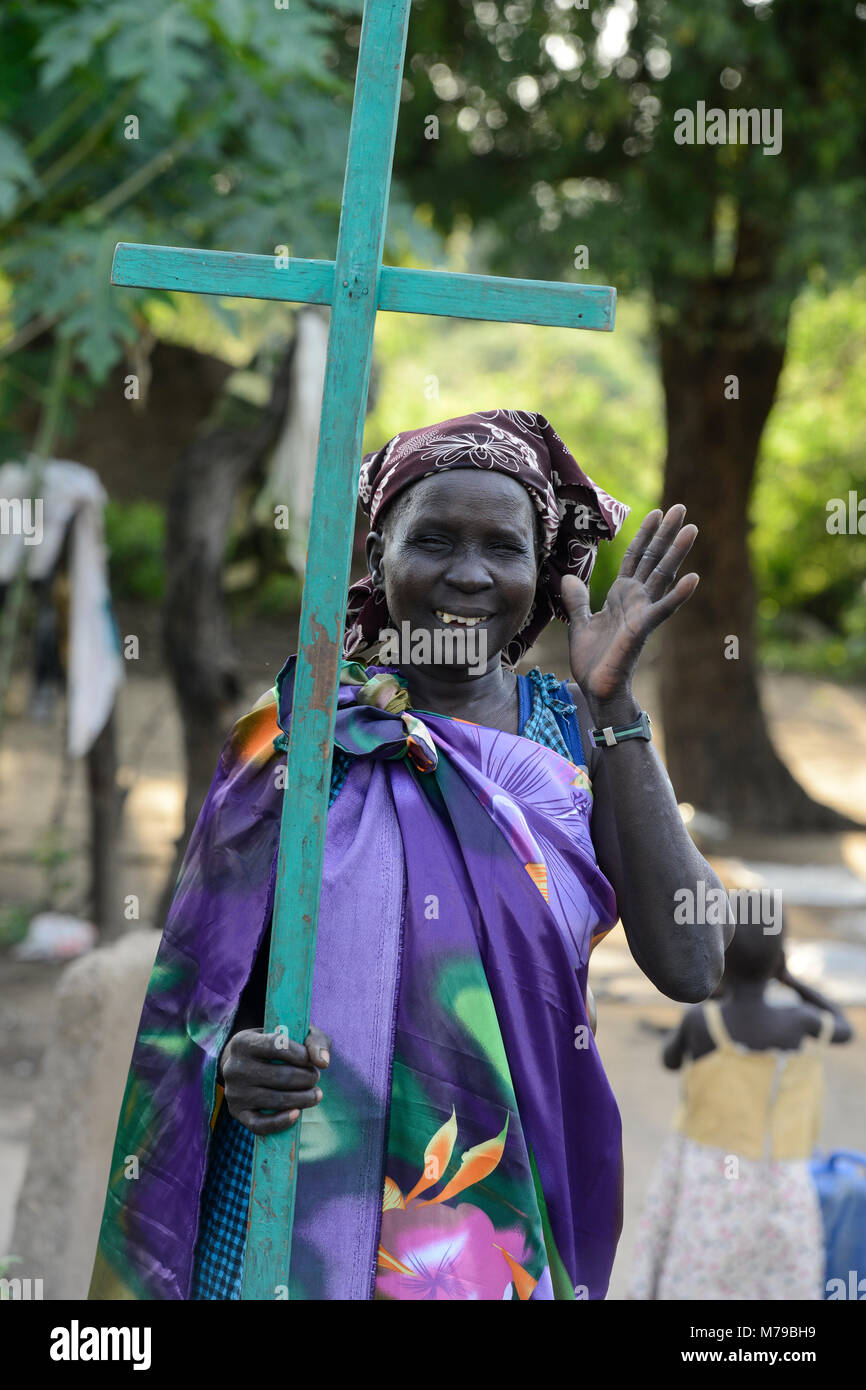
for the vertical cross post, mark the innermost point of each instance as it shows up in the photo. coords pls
(302, 836)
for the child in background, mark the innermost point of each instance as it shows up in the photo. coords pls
(732, 1211)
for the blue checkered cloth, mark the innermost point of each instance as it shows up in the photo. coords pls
(222, 1231)
(548, 716)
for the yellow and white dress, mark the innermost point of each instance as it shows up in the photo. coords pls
(732, 1211)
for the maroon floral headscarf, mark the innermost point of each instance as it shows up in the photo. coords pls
(575, 512)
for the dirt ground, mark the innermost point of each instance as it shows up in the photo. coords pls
(818, 727)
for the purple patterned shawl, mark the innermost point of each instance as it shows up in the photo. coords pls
(469, 1144)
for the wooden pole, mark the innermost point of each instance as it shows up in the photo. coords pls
(302, 835)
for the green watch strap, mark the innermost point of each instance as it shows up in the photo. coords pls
(608, 736)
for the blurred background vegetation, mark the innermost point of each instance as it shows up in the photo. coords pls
(526, 130)
(605, 398)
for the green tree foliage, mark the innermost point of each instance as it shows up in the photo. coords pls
(557, 121)
(813, 453)
(135, 535)
(194, 122)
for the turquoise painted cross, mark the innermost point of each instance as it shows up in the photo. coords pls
(356, 285)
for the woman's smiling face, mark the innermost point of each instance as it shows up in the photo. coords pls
(464, 543)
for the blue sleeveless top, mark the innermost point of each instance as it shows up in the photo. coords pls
(548, 715)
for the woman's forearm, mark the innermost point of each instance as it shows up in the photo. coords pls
(660, 868)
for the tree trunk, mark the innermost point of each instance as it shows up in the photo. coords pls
(718, 751)
(106, 804)
(196, 630)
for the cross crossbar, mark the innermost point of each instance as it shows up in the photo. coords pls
(402, 291)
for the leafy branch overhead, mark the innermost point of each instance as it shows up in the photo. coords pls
(556, 127)
(202, 122)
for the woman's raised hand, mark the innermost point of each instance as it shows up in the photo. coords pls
(604, 646)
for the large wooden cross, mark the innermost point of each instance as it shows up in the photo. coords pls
(356, 285)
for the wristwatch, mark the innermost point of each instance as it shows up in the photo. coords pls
(607, 737)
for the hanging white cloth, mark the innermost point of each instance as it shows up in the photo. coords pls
(72, 498)
(292, 467)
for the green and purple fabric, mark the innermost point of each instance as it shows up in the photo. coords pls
(468, 1145)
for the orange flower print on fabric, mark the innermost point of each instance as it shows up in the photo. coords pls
(433, 1251)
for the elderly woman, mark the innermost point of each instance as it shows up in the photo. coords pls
(485, 829)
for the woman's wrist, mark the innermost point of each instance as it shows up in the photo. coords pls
(614, 711)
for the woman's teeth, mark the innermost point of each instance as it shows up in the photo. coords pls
(453, 618)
